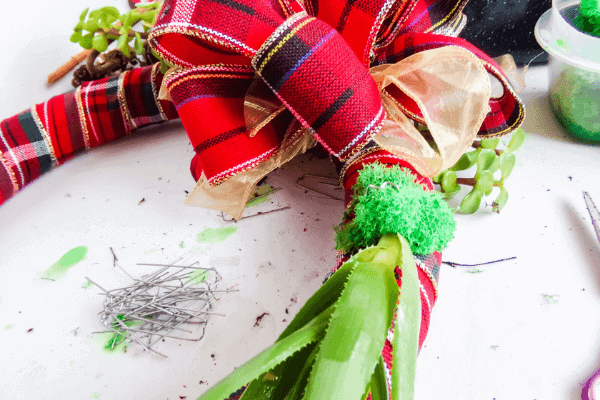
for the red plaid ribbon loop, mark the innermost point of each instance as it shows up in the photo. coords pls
(302, 57)
(314, 55)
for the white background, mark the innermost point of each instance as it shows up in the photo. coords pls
(493, 334)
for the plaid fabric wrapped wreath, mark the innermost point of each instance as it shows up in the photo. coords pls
(256, 82)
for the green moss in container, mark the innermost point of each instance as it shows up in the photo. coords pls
(575, 94)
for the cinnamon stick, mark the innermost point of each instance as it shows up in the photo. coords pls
(68, 66)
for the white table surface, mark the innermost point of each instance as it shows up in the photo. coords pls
(493, 335)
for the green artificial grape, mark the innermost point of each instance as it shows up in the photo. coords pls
(100, 43)
(516, 141)
(507, 163)
(490, 143)
(471, 202)
(466, 161)
(485, 182)
(500, 201)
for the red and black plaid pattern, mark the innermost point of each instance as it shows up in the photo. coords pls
(358, 21)
(305, 55)
(50, 133)
(186, 28)
(507, 112)
(210, 102)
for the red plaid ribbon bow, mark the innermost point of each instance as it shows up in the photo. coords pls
(314, 57)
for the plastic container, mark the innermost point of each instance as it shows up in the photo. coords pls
(574, 66)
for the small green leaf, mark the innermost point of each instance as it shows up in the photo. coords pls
(83, 14)
(449, 181)
(148, 16)
(153, 4)
(500, 201)
(123, 46)
(100, 43)
(471, 202)
(516, 141)
(91, 26)
(485, 182)
(112, 11)
(75, 37)
(164, 67)
(86, 41)
(507, 163)
(485, 161)
(139, 46)
(490, 143)
(466, 161)
(78, 27)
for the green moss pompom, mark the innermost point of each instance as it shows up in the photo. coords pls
(423, 218)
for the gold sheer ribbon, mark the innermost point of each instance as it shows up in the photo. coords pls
(450, 86)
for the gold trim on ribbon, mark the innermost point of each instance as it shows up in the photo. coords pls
(232, 195)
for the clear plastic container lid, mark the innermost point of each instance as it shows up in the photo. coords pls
(556, 34)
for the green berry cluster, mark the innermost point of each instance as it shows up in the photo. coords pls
(107, 24)
(488, 160)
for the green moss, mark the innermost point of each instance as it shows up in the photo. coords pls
(422, 217)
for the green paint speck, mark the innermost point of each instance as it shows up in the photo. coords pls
(71, 364)
(60, 268)
(95, 396)
(151, 251)
(261, 195)
(198, 249)
(8, 327)
(475, 271)
(213, 235)
(181, 244)
(116, 341)
(198, 276)
(562, 44)
(87, 285)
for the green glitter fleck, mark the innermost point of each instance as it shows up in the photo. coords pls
(60, 268)
(213, 235)
(551, 298)
(8, 327)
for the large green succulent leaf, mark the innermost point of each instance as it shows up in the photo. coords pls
(355, 336)
(406, 328)
(269, 358)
